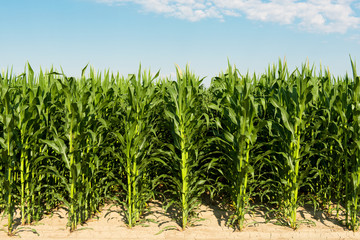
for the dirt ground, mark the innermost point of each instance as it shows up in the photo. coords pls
(109, 224)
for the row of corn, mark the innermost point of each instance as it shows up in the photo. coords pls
(281, 139)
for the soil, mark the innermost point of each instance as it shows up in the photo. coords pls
(158, 224)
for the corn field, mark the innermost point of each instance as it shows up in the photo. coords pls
(281, 139)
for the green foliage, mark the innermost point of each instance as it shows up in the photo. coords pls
(185, 154)
(279, 139)
(237, 133)
(134, 143)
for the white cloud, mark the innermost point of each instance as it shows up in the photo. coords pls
(312, 15)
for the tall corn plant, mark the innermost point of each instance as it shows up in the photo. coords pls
(331, 114)
(22, 102)
(238, 133)
(8, 119)
(94, 155)
(353, 190)
(343, 108)
(73, 141)
(29, 128)
(187, 120)
(44, 185)
(25, 124)
(291, 109)
(134, 143)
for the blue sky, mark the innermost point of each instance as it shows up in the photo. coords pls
(119, 34)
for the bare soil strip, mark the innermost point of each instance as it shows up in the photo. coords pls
(110, 224)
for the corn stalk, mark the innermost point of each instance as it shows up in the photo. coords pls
(354, 150)
(134, 140)
(238, 133)
(291, 103)
(186, 119)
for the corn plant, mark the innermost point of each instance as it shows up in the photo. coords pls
(329, 154)
(135, 140)
(291, 106)
(354, 150)
(28, 127)
(43, 184)
(8, 150)
(238, 132)
(186, 159)
(73, 142)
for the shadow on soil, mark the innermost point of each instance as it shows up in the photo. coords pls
(257, 215)
(323, 216)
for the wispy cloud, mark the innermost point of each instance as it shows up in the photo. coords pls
(329, 16)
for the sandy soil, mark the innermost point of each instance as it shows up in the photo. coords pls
(109, 224)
